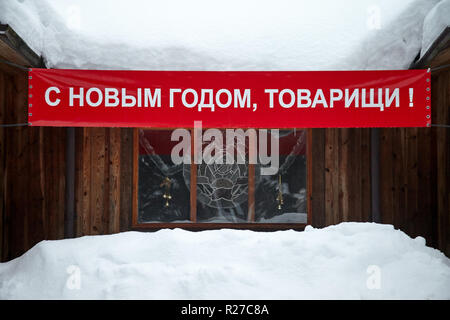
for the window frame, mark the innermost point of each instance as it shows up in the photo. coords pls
(196, 226)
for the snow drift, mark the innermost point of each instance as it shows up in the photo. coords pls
(222, 35)
(337, 262)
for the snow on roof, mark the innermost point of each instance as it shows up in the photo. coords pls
(435, 22)
(228, 35)
(347, 261)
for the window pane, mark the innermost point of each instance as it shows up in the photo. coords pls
(163, 195)
(222, 193)
(224, 189)
(289, 205)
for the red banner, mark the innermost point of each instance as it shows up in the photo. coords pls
(229, 99)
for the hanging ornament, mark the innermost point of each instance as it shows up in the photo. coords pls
(166, 196)
(280, 194)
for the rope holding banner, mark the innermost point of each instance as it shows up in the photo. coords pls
(12, 64)
(14, 125)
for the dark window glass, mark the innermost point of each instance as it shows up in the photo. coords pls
(223, 190)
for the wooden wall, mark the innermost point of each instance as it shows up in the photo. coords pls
(103, 180)
(341, 188)
(32, 173)
(415, 173)
(441, 164)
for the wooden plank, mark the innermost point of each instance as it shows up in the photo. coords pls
(344, 175)
(10, 149)
(17, 166)
(79, 140)
(47, 174)
(43, 181)
(61, 179)
(23, 196)
(114, 179)
(97, 182)
(431, 57)
(443, 159)
(353, 170)
(364, 157)
(105, 214)
(2, 160)
(446, 162)
(336, 192)
(433, 208)
(36, 196)
(9, 54)
(86, 160)
(14, 49)
(398, 176)
(309, 176)
(126, 178)
(412, 196)
(425, 188)
(51, 173)
(329, 164)
(135, 176)
(317, 177)
(445, 116)
(386, 180)
(441, 59)
(332, 176)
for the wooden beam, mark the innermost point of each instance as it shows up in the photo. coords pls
(316, 158)
(134, 220)
(15, 50)
(126, 178)
(441, 43)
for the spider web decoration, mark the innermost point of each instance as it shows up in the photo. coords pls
(220, 185)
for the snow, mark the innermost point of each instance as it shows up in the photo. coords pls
(435, 22)
(231, 35)
(338, 262)
(287, 217)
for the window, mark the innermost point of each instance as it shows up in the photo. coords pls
(213, 194)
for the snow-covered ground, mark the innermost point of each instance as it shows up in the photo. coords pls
(347, 261)
(225, 35)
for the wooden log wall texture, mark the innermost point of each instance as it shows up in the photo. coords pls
(32, 174)
(103, 180)
(441, 137)
(415, 173)
(341, 188)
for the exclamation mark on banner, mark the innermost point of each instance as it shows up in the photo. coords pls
(411, 92)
